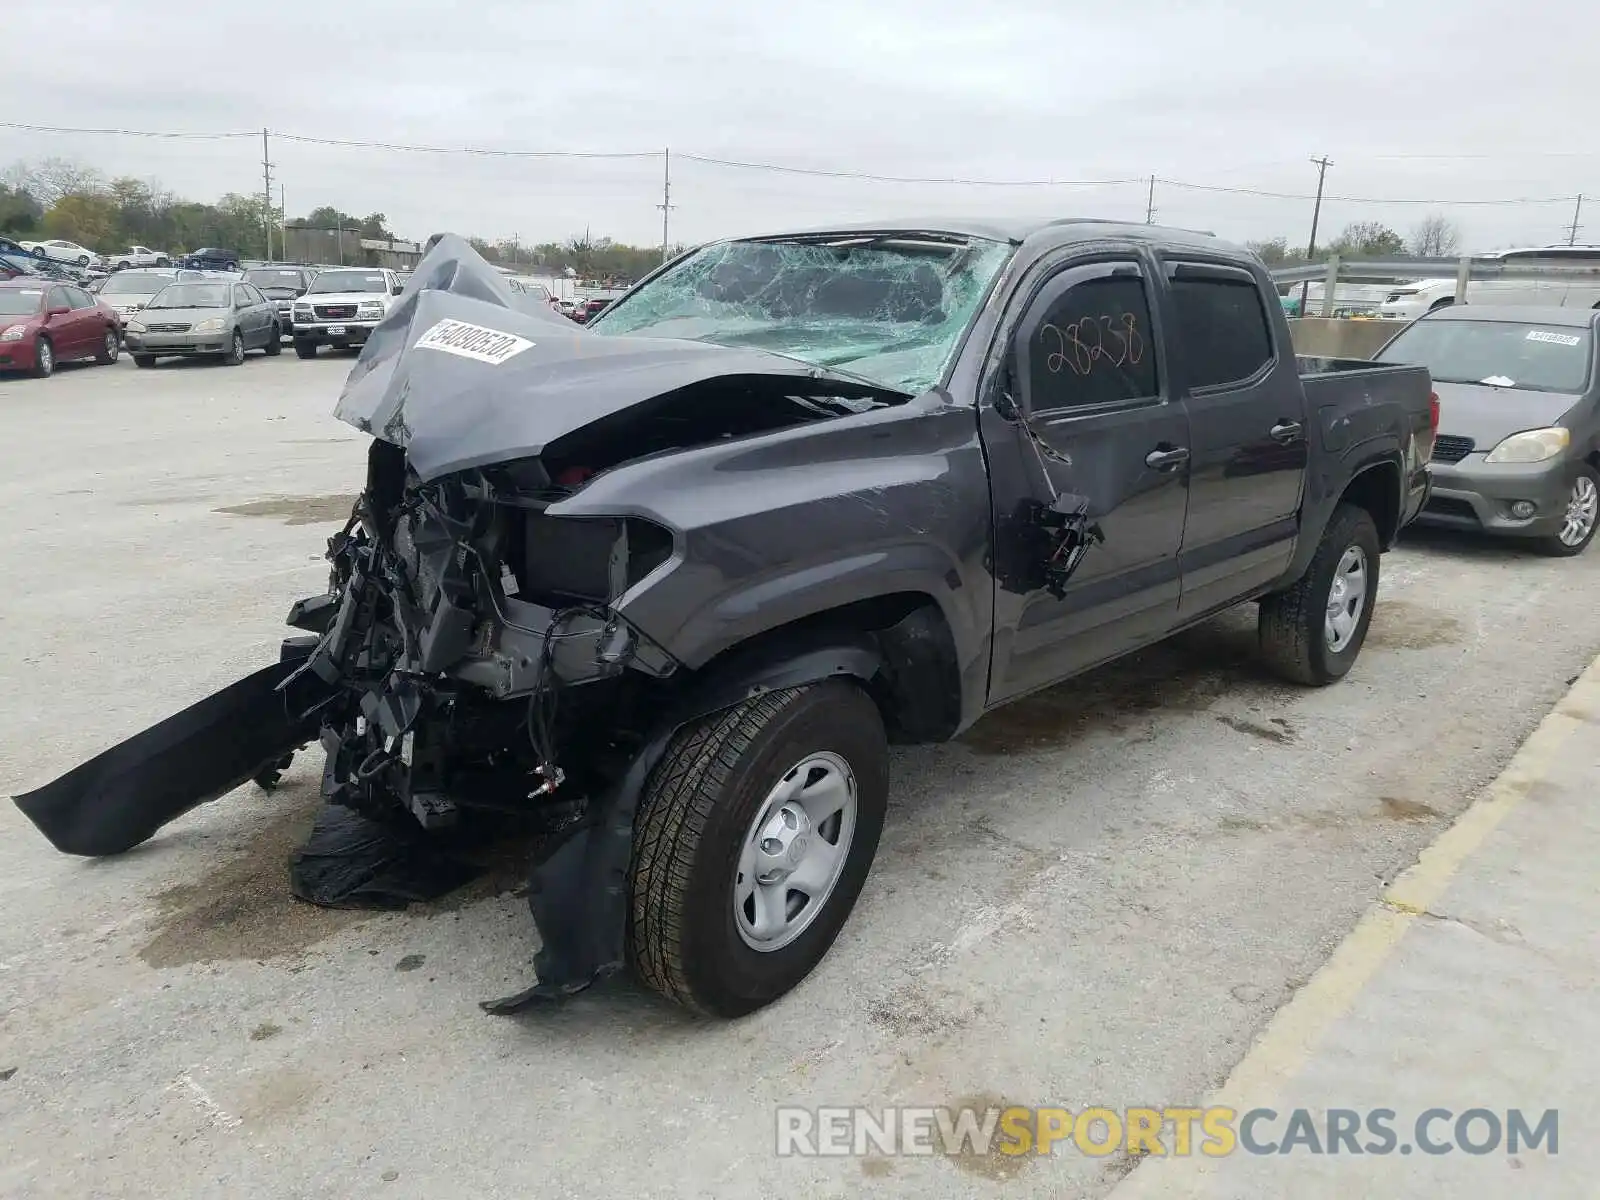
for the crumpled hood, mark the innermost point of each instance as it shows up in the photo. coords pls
(460, 374)
(1488, 415)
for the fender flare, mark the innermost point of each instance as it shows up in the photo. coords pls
(578, 886)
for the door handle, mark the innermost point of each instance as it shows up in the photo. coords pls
(1287, 431)
(1167, 459)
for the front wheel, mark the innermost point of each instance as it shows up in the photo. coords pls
(1312, 632)
(44, 359)
(305, 349)
(752, 841)
(274, 346)
(235, 352)
(1577, 529)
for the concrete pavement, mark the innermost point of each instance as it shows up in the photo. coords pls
(1473, 984)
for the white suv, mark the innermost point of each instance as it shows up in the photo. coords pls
(1411, 300)
(342, 306)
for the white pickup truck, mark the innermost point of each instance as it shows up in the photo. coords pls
(342, 306)
(138, 256)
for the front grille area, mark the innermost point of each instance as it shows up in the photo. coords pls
(335, 312)
(1450, 449)
(166, 328)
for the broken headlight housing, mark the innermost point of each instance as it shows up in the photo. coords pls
(593, 560)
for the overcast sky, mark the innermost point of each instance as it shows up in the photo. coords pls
(1455, 101)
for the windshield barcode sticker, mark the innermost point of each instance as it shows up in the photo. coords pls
(1555, 339)
(473, 341)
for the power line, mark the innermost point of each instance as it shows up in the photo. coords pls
(867, 176)
(1243, 191)
(144, 133)
(815, 172)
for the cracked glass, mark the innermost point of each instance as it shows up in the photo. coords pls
(889, 308)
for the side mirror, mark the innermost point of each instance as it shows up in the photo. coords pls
(60, 310)
(397, 289)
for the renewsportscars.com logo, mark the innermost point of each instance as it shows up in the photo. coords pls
(1214, 1132)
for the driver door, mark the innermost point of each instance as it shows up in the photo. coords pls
(1103, 434)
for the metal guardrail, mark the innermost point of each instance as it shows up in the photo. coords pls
(1465, 270)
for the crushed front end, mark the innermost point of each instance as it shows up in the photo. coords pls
(473, 643)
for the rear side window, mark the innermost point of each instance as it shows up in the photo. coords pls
(1221, 325)
(1092, 344)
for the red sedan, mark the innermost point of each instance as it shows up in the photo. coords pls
(43, 322)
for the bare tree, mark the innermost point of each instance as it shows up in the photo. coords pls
(1436, 237)
(49, 180)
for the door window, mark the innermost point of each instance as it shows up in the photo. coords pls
(1089, 340)
(59, 298)
(78, 298)
(1221, 325)
(241, 298)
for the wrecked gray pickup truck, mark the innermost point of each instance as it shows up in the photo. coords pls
(676, 580)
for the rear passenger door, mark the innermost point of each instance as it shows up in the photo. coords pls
(248, 315)
(88, 326)
(1247, 433)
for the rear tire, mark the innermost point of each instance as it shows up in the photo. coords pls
(721, 780)
(274, 346)
(1296, 626)
(110, 348)
(305, 349)
(1581, 505)
(144, 361)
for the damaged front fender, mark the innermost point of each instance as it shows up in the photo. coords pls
(578, 891)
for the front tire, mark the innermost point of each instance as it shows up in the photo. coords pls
(1312, 632)
(752, 842)
(274, 346)
(305, 349)
(1583, 516)
(44, 359)
(235, 353)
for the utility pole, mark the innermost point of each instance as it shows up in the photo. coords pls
(666, 199)
(1572, 230)
(283, 224)
(266, 192)
(1322, 164)
(1150, 204)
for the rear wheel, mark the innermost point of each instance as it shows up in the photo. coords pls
(1312, 632)
(305, 349)
(752, 842)
(1583, 510)
(110, 348)
(235, 352)
(274, 346)
(44, 359)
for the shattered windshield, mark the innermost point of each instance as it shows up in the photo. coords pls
(888, 307)
(191, 295)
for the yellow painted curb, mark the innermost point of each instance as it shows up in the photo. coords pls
(1299, 1026)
